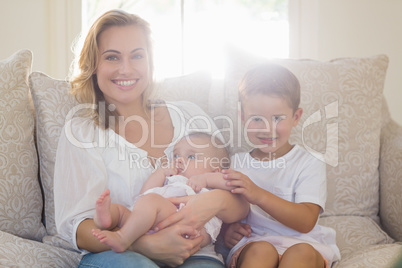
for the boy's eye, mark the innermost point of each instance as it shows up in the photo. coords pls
(257, 118)
(278, 118)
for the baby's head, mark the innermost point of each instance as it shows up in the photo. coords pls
(198, 153)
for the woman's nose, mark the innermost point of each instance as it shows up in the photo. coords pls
(126, 66)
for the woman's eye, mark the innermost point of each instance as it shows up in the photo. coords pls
(191, 156)
(175, 156)
(138, 56)
(111, 58)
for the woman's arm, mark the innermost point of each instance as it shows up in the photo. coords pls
(202, 207)
(85, 239)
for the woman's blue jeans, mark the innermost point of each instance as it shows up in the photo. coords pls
(132, 259)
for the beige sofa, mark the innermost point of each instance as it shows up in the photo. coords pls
(346, 124)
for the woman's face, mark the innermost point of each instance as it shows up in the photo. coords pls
(123, 69)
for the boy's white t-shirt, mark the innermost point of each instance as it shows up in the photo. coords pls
(298, 177)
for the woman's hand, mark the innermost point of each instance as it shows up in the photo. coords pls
(169, 245)
(235, 232)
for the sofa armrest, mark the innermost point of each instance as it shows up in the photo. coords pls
(391, 179)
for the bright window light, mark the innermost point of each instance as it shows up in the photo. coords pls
(191, 35)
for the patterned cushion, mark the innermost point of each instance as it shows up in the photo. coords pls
(341, 123)
(20, 194)
(391, 182)
(354, 233)
(376, 256)
(18, 252)
(52, 103)
(193, 87)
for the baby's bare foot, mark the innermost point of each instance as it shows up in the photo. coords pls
(103, 217)
(112, 239)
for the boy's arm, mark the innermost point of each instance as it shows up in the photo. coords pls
(212, 180)
(157, 178)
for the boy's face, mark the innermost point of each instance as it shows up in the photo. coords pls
(268, 122)
(193, 156)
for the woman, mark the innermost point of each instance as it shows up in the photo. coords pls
(119, 143)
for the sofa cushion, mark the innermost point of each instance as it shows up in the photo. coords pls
(375, 256)
(355, 233)
(20, 194)
(341, 122)
(52, 103)
(391, 179)
(18, 252)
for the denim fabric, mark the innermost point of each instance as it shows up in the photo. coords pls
(108, 259)
(112, 259)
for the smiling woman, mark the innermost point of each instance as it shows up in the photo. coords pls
(115, 74)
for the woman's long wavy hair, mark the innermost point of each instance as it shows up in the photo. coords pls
(84, 86)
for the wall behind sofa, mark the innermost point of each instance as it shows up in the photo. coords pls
(327, 29)
(320, 29)
(47, 27)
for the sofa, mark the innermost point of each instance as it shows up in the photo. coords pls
(346, 124)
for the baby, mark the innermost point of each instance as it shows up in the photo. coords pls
(196, 156)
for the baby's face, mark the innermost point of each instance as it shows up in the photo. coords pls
(193, 156)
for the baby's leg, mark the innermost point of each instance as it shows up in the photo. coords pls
(148, 211)
(258, 254)
(108, 215)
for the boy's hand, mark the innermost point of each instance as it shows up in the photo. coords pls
(243, 185)
(197, 182)
(235, 232)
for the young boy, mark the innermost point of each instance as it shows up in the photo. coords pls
(196, 156)
(285, 185)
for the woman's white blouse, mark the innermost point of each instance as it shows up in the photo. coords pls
(90, 159)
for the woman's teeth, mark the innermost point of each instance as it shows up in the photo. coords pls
(125, 83)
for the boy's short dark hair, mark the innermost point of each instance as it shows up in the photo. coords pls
(271, 79)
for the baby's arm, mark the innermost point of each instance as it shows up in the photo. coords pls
(157, 178)
(212, 180)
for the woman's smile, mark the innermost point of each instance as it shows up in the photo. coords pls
(124, 83)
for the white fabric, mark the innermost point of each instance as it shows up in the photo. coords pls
(297, 177)
(90, 159)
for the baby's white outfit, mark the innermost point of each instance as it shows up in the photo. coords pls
(176, 186)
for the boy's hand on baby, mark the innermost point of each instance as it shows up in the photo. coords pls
(235, 232)
(243, 185)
